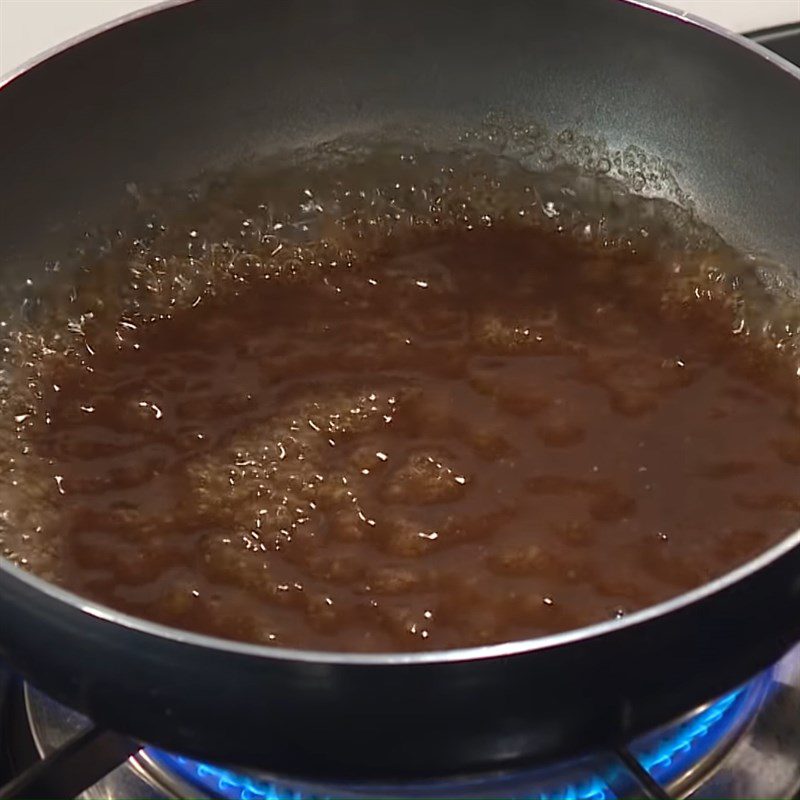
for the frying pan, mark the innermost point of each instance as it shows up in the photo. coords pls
(200, 85)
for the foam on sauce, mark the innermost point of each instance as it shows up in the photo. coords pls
(446, 431)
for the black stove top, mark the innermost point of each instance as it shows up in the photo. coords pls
(745, 744)
(783, 40)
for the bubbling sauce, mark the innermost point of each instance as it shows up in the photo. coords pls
(469, 435)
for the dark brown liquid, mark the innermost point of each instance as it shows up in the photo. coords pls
(471, 437)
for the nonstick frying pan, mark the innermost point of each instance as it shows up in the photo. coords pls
(200, 85)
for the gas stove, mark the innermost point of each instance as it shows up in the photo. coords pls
(745, 744)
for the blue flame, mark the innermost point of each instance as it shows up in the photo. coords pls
(223, 783)
(666, 754)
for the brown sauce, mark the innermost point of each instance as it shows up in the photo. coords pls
(469, 437)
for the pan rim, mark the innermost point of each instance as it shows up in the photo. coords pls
(145, 627)
(139, 625)
(686, 17)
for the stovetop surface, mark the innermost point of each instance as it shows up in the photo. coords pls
(783, 40)
(776, 754)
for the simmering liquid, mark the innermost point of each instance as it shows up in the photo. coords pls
(470, 436)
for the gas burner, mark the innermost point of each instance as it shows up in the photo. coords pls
(744, 744)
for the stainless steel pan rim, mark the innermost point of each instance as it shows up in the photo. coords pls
(484, 652)
(651, 5)
(73, 41)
